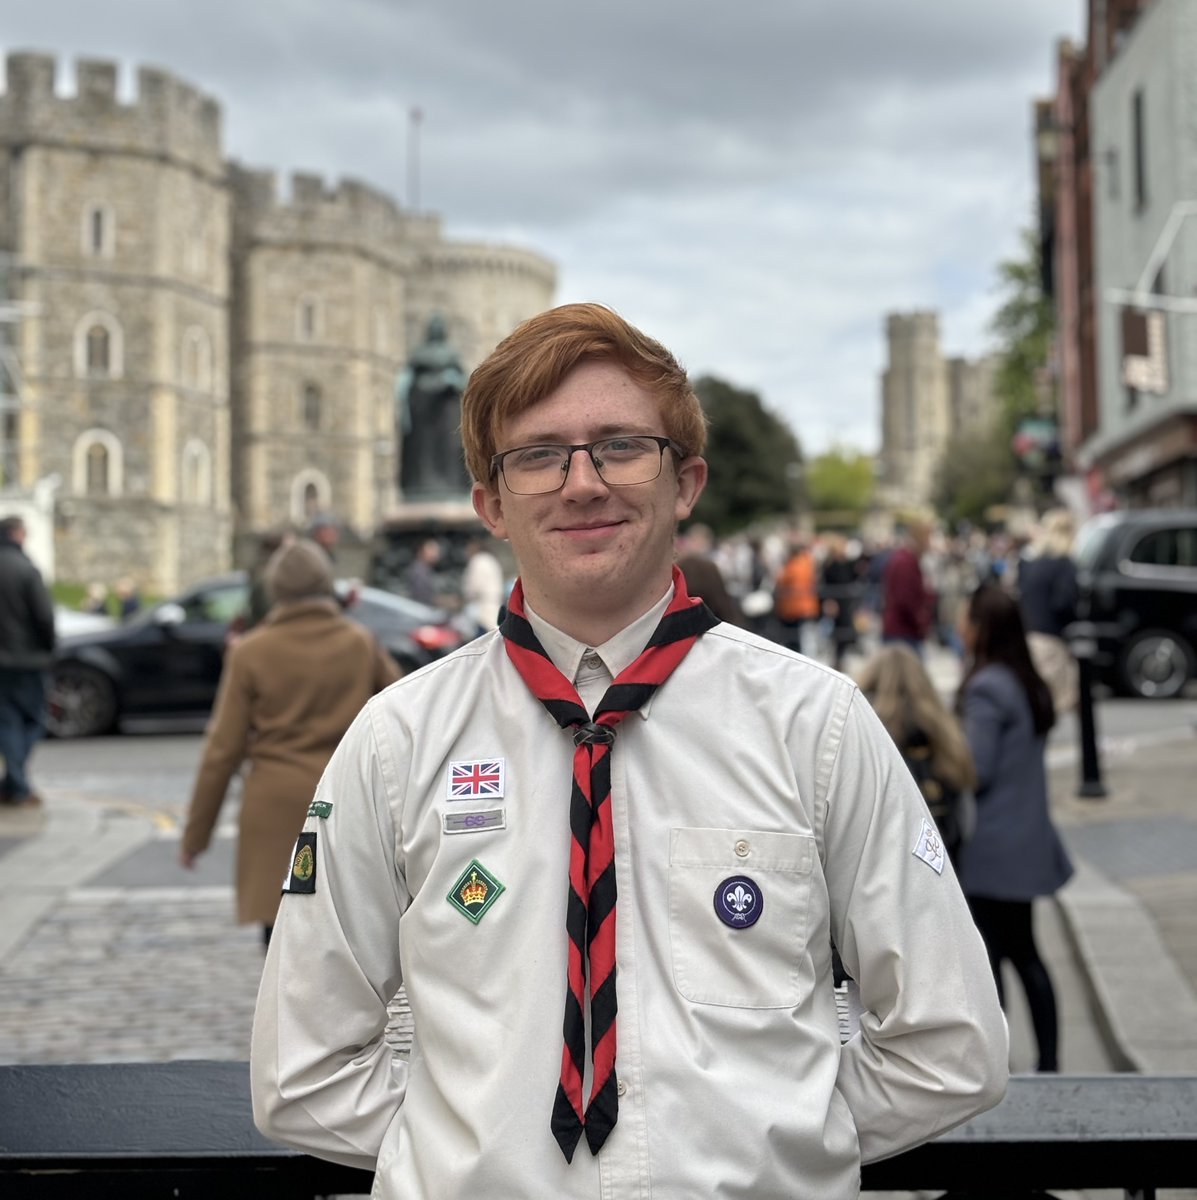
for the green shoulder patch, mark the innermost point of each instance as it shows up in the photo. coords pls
(320, 808)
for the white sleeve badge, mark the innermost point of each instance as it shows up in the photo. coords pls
(929, 847)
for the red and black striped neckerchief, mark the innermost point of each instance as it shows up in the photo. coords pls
(590, 911)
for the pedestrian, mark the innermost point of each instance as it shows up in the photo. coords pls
(128, 599)
(97, 599)
(796, 597)
(928, 736)
(907, 604)
(839, 590)
(1048, 595)
(482, 590)
(420, 578)
(289, 690)
(325, 531)
(1015, 854)
(616, 776)
(703, 577)
(26, 652)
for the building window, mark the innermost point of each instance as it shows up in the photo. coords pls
(197, 359)
(99, 231)
(99, 347)
(310, 494)
(97, 464)
(1139, 136)
(197, 473)
(311, 406)
(98, 351)
(308, 319)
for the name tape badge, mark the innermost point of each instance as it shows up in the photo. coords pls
(477, 779)
(475, 822)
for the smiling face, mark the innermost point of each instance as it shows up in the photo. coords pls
(592, 558)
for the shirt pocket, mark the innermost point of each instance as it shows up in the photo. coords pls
(757, 965)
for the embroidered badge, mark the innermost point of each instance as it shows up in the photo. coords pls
(738, 902)
(320, 808)
(929, 847)
(477, 779)
(475, 822)
(475, 891)
(302, 877)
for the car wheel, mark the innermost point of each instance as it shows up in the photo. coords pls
(82, 702)
(1156, 664)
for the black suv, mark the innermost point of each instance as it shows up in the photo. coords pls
(1138, 579)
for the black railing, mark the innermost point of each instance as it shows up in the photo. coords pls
(183, 1129)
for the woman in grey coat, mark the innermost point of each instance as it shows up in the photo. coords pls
(1015, 853)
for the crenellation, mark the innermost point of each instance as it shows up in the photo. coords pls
(31, 78)
(307, 189)
(168, 119)
(95, 81)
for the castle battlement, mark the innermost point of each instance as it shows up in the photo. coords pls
(168, 119)
(487, 258)
(349, 212)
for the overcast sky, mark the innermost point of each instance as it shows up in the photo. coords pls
(757, 184)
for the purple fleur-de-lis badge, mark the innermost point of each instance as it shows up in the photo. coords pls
(738, 902)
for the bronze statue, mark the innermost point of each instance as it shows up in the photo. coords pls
(428, 411)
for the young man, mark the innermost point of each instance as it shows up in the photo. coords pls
(607, 848)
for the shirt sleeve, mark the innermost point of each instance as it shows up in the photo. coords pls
(323, 1079)
(932, 1050)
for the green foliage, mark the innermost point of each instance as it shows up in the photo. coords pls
(1024, 326)
(974, 474)
(755, 459)
(840, 482)
(977, 473)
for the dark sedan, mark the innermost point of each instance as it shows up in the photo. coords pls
(166, 660)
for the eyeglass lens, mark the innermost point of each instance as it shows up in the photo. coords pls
(620, 461)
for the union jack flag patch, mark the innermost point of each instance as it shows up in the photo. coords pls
(477, 779)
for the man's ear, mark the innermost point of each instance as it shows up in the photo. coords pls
(691, 480)
(489, 506)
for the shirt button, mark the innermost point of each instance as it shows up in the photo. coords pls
(621, 1088)
(592, 661)
(742, 848)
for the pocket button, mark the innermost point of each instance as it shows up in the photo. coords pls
(742, 848)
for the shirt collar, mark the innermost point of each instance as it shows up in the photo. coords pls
(617, 653)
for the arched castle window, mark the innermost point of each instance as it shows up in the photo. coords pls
(99, 347)
(97, 464)
(197, 359)
(310, 494)
(99, 231)
(310, 406)
(307, 319)
(196, 475)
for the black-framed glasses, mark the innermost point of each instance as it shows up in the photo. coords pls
(620, 461)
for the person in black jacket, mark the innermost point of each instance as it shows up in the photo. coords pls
(26, 650)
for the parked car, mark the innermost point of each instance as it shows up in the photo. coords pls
(166, 659)
(1138, 576)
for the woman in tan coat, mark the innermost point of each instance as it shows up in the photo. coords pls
(289, 690)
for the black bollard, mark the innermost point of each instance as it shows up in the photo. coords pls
(1082, 637)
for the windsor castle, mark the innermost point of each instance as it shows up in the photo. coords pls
(189, 357)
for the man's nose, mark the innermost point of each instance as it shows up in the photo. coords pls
(582, 480)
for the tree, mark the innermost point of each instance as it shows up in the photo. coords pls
(979, 471)
(755, 459)
(974, 474)
(1024, 326)
(839, 483)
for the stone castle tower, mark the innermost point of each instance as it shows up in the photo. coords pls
(926, 400)
(117, 220)
(202, 360)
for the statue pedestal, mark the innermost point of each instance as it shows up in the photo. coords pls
(452, 521)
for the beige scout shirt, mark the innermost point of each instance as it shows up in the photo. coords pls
(750, 761)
